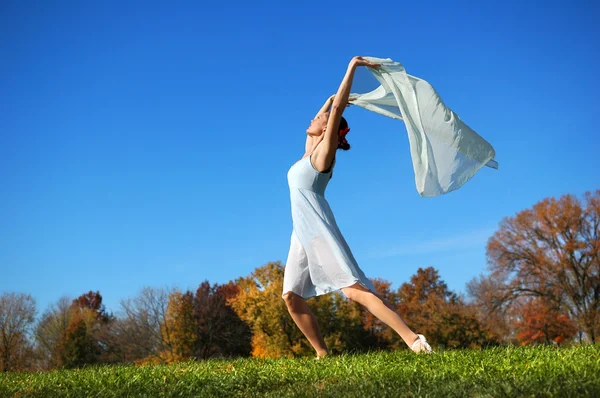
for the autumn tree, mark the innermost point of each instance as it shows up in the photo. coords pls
(539, 322)
(489, 303)
(182, 326)
(17, 314)
(49, 332)
(93, 301)
(81, 343)
(430, 308)
(221, 332)
(260, 305)
(78, 346)
(551, 252)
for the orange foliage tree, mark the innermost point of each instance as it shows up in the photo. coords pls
(540, 323)
(260, 305)
(78, 347)
(430, 308)
(81, 343)
(551, 252)
(179, 328)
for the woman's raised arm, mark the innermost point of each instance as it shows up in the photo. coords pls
(340, 101)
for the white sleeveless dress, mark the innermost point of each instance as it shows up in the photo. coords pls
(319, 260)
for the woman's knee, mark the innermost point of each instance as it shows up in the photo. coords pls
(355, 292)
(291, 299)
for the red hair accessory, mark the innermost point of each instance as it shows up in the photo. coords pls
(343, 133)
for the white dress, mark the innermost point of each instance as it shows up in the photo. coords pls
(319, 260)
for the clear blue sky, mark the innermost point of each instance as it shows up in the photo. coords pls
(147, 144)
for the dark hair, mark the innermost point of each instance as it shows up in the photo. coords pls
(342, 142)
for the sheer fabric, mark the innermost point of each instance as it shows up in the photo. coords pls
(445, 152)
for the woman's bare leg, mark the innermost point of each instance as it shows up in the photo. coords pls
(382, 309)
(306, 321)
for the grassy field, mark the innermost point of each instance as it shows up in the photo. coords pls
(497, 372)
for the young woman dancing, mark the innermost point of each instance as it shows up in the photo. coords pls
(319, 260)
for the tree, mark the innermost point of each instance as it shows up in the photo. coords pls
(93, 301)
(83, 341)
(49, 331)
(541, 323)
(551, 252)
(489, 304)
(423, 301)
(78, 347)
(432, 309)
(260, 305)
(182, 326)
(17, 314)
(221, 332)
(140, 335)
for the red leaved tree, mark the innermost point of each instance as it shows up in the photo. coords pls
(541, 323)
(430, 308)
(82, 343)
(221, 332)
(551, 252)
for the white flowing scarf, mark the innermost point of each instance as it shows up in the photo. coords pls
(445, 152)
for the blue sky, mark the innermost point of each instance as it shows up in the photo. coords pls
(147, 143)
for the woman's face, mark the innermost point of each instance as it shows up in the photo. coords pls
(318, 125)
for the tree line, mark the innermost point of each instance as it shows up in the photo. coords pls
(542, 286)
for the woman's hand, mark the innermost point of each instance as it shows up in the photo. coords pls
(333, 97)
(360, 61)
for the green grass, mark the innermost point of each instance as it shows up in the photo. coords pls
(497, 372)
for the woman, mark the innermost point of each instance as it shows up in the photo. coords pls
(319, 260)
